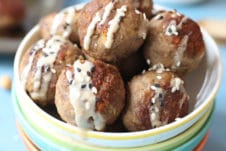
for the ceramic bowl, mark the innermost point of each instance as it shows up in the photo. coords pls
(47, 140)
(201, 84)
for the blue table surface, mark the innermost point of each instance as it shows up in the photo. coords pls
(10, 140)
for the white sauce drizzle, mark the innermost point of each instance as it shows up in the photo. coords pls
(183, 20)
(148, 61)
(175, 84)
(39, 45)
(114, 25)
(107, 10)
(158, 17)
(137, 11)
(158, 99)
(143, 27)
(154, 109)
(180, 52)
(90, 30)
(143, 72)
(185, 96)
(50, 52)
(66, 19)
(82, 96)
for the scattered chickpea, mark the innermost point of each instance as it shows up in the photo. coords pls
(5, 82)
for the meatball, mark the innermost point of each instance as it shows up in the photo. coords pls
(155, 98)
(90, 94)
(63, 24)
(42, 64)
(112, 30)
(175, 41)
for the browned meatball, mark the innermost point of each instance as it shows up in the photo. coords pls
(90, 95)
(63, 24)
(155, 98)
(42, 64)
(175, 41)
(112, 30)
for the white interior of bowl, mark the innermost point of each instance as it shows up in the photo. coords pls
(202, 85)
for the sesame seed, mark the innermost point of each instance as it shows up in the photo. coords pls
(78, 69)
(157, 85)
(143, 71)
(87, 105)
(46, 68)
(83, 86)
(160, 17)
(90, 86)
(153, 100)
(153, 87)
(88, 73)
(97, 99)
(45, 55)
(159, 77)
(94, 90)
(92, 69)
(170, 30)
(156, 109)
(71, 81)
(161, 100)
(148, 61)
(53, 70)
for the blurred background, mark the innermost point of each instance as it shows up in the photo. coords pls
(211, 15)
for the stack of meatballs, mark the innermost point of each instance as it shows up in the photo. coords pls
(113, 60)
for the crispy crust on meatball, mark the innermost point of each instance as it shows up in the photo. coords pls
(151, 102)
(110, 97)
(175, 41)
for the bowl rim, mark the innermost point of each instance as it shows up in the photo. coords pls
(120, 135)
